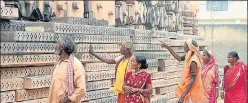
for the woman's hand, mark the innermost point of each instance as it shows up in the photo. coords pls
(134, 90)
(130, 90)
(127, 89)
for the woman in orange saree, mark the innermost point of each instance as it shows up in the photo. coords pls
(190, 88)
(235, 80)
(137, 86)
(210, 76)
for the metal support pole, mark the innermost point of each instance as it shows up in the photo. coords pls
(66, 9)
(212, 35)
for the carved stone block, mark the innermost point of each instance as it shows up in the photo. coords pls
(139, 39)
(146, 33)
(159, 75)
(173, 81)
(159, 83)
(8, 96)
(43, 100)
(153, 92)
(9, 13)
(93, 76)
(86, 57)
(98, 85)
(160, 99)
(35, 82)
(11, 84)
(152, 62)
(99, 94)
(13, 36)
(31, 94)
(154, 55)
(164, 34)
(157, 41)
(99, 48)
(171, 95)
(14, 72)
(161, 90)
(95, 67)
(100, 39)
(25, 60)
(171, 75)
(112, 99)
(173, 100)
(151, 69)
(26, 48)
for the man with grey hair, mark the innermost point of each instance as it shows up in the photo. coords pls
(122, 66)
(68, 79)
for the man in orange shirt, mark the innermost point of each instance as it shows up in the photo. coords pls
(68, 79)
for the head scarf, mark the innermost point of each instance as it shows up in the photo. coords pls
(211, 62)
(129, 45)
(192, 49)
(209, 65)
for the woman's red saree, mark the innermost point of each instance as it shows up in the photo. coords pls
(235, 83)
(137, 80)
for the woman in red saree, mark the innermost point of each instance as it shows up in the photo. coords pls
(210, 76)
(137, 86)
(235, 80)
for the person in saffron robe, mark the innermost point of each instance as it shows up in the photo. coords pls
(190, 87)
(68, 78)
(235, 80)
(122, 66)
(138, 86)
(210, 76)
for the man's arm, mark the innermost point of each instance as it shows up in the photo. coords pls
(175, 55)
(103, 59)
(193, 67)
(79, 82)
